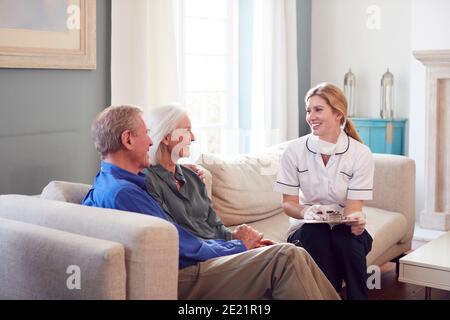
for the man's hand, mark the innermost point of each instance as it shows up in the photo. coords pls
(358, 226)
(249, 236)
(200, 172)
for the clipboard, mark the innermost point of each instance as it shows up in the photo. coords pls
(343, 220)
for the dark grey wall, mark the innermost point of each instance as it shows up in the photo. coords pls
(45, 118)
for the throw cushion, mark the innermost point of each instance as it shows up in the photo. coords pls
(242, 185)
(65, 191)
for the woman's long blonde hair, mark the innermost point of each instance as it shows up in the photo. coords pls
(337, 101)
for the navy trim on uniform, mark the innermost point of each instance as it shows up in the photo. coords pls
(337, 153)
(348, 145)
(360, 189)
(340, 205)
(348, 175)
(288, 184)
(307, 147)
(303, 171)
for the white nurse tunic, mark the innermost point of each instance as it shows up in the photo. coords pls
(347, 175)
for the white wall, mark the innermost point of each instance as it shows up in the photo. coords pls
(430, 30)
(341, 39)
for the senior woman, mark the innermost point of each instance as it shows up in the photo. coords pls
(178, 189)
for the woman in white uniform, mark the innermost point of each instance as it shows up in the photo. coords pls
(329, 169)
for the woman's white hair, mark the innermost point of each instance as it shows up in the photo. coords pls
(162, 121)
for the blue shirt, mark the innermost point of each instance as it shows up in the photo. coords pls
(116, 188)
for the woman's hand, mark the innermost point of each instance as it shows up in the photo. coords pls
(359, 225)
(315, 212)
(266, 242)
(353, 210)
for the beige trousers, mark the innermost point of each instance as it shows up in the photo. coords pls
(281, 271)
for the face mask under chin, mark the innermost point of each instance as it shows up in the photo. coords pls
(324, 147)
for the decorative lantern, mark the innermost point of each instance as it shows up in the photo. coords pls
(387, 96)
(349, 91)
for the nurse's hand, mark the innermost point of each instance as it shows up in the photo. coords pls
(315, 212)
(358, 226)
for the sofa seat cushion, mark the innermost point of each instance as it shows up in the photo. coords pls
(274, 227)
(242, 186)
(65, 191)
(387, 229)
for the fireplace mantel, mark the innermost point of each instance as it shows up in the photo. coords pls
(433, 57)
(437, 149)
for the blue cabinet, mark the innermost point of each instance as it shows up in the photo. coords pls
(382, 135)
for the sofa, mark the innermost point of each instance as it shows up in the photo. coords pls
(51, 247)
(242, 192)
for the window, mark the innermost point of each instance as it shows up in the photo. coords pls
(208, 68)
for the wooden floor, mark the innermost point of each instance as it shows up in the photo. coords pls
(391, 289)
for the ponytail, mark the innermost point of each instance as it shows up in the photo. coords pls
(350, 130)
(335, 98)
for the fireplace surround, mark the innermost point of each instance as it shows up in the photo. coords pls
(437, 148)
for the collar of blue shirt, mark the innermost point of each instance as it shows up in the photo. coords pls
(117, 172)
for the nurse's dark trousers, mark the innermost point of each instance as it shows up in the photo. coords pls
(340, 255)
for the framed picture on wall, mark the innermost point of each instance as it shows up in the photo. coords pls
(48, 34)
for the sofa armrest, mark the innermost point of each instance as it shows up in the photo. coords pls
(394, 188)
(44, 263)
(151, 244)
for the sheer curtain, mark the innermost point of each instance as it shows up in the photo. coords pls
(274, 85)
(143, 53)
(144, 66)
